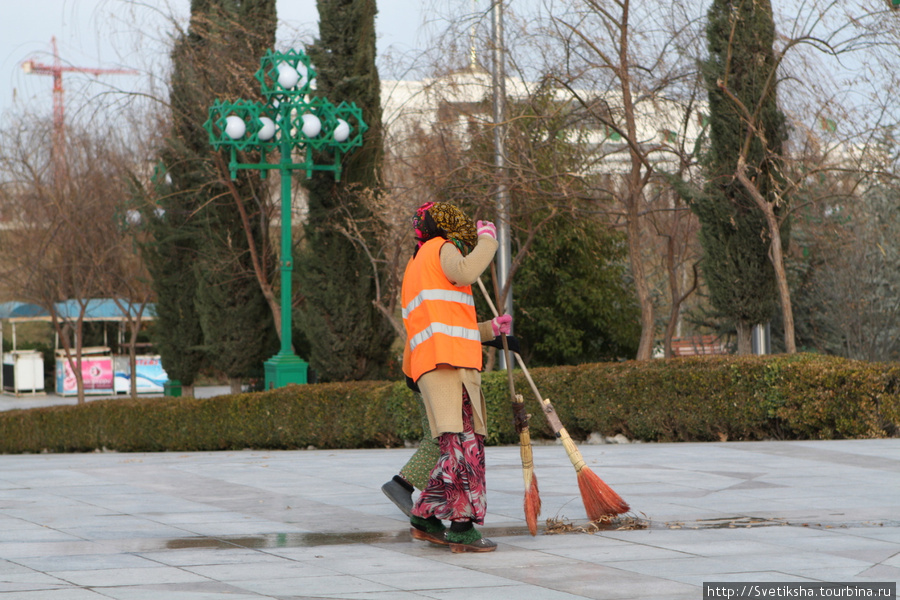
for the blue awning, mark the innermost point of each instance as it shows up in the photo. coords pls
(22, 311)
(95, 309)
(104, 309)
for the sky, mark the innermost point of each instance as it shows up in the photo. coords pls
(133, 34)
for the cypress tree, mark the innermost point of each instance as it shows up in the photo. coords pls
(169, 254)
(206, 288)
(572, 302)
(734, 235)
(348, 338)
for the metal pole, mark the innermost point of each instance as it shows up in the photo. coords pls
(285, 367)
(271, 127)
(287, 262)
(498, 81)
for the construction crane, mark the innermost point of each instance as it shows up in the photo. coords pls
(56, 70)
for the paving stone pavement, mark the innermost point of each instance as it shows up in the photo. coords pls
(314, 524)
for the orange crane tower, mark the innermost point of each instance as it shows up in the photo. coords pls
(56, 70)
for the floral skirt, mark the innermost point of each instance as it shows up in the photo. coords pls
(456, 488)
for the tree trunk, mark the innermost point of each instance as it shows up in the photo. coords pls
(784, 292)
(259, 270)
(235, 384)
(776, 255)
(187, 391)
(642, 290)
(674, 294)
(670, 332)
(677, 298)
(132, 355)
(744, 338)
(79, 377)
(132, 365)
(634, 195)
(73, 361)
(71, 355)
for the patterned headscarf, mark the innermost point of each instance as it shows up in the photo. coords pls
(442, 219)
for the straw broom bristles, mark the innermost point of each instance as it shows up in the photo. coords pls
(532, 505)
(598, 498)
(532, 502)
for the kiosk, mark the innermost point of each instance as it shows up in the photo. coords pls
(103, 373)
(96, 372)
(23, 372)
(149, 374)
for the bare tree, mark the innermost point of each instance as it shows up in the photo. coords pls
(127, 284)
(817, 53)
(629, 65)
(844, 264)
(65, 242)
(632, 69)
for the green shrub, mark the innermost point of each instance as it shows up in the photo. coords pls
(349, 415)
(714, 398)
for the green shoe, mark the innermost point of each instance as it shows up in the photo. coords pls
(470, 540)
(434, 538)
(429, 530)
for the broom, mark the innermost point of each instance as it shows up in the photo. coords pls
(598, 498)
(532, 503)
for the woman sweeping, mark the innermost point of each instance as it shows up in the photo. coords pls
(443, 357)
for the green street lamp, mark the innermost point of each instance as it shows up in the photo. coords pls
(291, 122)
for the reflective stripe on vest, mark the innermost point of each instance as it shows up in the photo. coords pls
(439, 317)
(449, 330)
(445, 295)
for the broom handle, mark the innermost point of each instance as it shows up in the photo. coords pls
(509, 373)
(545, 404)
(519, 417)
(549, 412)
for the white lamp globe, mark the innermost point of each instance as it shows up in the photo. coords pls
(133, 217)
(287, 76)
(235, 127)
(342, 131)
(267, 131)
(312, 126)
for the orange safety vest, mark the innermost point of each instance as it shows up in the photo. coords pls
(441, 326)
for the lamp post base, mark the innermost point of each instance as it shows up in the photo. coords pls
(284, 369)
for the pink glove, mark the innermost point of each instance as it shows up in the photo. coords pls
(501, 324)
(486, 228)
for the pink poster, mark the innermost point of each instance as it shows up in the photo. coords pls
(97, 373)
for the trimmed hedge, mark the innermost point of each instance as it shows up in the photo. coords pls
(799, 396)
(326, 416)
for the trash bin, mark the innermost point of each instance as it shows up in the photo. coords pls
(172, 387)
